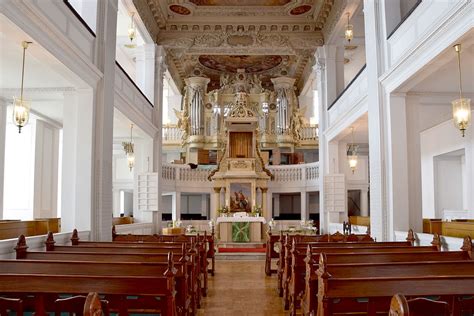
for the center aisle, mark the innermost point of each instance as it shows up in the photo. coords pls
(241, 288)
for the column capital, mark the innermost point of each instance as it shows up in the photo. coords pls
(264, 190)
(217, 190)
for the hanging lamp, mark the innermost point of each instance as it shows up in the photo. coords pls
(21, 107)
(352, 154)
(461, 106)
(128, 147)
(132, 32)
(349, 33)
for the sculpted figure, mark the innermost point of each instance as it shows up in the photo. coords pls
(183, 123)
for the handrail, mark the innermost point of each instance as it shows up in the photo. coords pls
(133, 82)
(79, 17)
(404, 18)
(347, 87)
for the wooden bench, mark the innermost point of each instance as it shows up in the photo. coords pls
(368, 288)
(142, 248)
(203, 238)
(284, 280)
(187, 275)
(309, 296)
(400, 306)
(329, 240)
(90, 305)
(152, 294)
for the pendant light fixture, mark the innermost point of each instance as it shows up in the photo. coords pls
(461, 106)
(128, 147)
(132, 32)
(352, 153)
(349, 33)
(21, 107)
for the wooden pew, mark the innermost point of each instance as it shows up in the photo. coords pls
(309, 296)
(11, 305)
(270, 252)
(186, 278)
(116, 289)
(285, 248)
(367, 288)
(204, 243)
(204, 238)
(371, 292)
(400, 306)
(143, 248)
(293, 277)
(90, 305)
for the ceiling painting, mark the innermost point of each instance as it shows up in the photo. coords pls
(261, 3)
(229, 63)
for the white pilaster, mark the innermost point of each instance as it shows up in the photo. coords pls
(145, 69)
(398, 185)
(160, 68)
(103, 121)
(375, 57)
(276, 205)
(76, 186)
(304, 206)
(3, 124)
(364, 202)
(176, 206)
(204, 205)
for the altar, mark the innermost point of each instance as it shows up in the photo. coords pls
(240, 229)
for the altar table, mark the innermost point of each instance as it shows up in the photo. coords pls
(235, 229)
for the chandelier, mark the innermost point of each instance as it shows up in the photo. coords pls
(352, 153)
(128, 147)
(461, 106)
(21, 107)
(132, 32)
(349, 33)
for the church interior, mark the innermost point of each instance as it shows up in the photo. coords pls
(236, 157)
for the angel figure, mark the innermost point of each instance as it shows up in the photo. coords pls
(183, 123)
(296, 123)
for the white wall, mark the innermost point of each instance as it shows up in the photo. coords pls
(448, 184)
(441, 139)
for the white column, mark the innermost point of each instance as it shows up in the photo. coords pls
(77, 181)
(215, 202)
(304, 206)
(3, 124)
(204, 205)
(145, 69)
(364, 202)
(176, 206)
(266, 212)
(397, 158)
(374, 54)
(103, 120)
(160, 68)
(276, 203)
(116, 202)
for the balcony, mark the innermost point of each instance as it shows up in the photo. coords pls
(288, 178)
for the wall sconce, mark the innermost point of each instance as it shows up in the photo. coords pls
(21, 107)
(461, 106)
(128, 147)
(132, 32)
(349, 33)
(352, 154)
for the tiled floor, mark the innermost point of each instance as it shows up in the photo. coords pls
(241, 288)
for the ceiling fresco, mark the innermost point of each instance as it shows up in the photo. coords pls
(251, 64)
(266, 37)
(241, 2)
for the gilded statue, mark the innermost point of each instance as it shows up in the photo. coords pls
(296, 123)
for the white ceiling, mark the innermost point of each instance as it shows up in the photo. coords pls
(122, 128)
(442, 75)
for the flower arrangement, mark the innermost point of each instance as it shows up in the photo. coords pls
(256, 211)
(223, 210)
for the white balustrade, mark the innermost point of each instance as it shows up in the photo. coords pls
(172, 134)
(309, 133)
